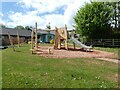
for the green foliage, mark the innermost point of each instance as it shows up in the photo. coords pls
(92, 20)
(51, 41)
(19, 27)
(28, 27)
(48, 26)
(2, 26)
(24, 28)
(115, 10)
(115, 20)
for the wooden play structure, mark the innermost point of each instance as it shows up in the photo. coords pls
(34, 43)
(61, 35)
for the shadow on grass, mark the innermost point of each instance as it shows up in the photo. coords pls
(72, 49)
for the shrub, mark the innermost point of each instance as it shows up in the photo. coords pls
(51, 41)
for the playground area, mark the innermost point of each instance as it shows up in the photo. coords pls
(60, 44)
(66, 45)
(73, 53)
(63, 48)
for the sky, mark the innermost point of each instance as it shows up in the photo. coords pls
(27, 12)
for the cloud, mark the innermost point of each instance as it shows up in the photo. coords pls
(9, 0)
(44, 5)
(1, 14)
(31, 17)
(19, 18)
(55, 20)
(1, 21)
(44, 12)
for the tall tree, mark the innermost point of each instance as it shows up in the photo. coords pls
(116, 10)
(2, 26)
(93, 20)
(48, 27)
(28, 27)
(19, 27)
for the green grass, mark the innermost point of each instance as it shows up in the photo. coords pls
(108, 49)
(21, 69)
(0, 69)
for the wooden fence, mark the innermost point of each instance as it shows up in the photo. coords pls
(106, 42)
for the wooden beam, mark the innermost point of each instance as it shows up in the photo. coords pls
(36, 39)
(66, 35)
(11, 41)
(18, 39)
(56, 39)
(32, 36)
(74, 45)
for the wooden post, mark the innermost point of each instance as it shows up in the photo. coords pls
(56, 38)
(74, 45)
(66, 35)
(50, 50)
(11, 42)
(32, 36)
(18, 39)
(113, 42)
(59, 44)
(36, 40)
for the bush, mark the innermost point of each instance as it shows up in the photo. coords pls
(51, 41)
(29, 42)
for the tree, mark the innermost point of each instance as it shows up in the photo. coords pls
(115, 19)
(93, 20)
(28, 27)
(48, 27)
(19, 27)
(2, 26)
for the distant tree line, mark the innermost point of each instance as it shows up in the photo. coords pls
(18, 27)
(2, 26)
(98, 20)
(24, 28)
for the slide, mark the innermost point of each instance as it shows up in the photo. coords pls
(80, 44)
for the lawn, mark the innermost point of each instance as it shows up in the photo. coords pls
(21, 69)
(0, 69)
(108, 49)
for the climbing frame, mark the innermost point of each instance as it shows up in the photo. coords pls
(61, 35)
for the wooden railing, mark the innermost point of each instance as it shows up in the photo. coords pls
(106, 42)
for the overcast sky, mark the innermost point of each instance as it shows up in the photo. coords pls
(27, 12)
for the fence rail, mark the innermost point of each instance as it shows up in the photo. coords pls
(106, 42)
